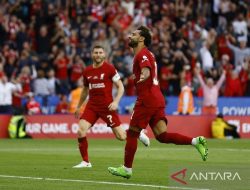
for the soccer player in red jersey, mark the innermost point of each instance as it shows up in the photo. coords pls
(98, 83)
(149, 106)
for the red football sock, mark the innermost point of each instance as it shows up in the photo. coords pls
(173, 138)
(130, 148)
(83, 147)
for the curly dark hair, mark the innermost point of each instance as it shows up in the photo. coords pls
(145, 32)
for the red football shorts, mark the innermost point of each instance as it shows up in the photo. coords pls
(110, 117)
(142, 116)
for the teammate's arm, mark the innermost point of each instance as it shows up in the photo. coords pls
(145, 73)
(83, 97)
(120, 90)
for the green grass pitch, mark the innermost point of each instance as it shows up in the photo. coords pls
(47, 164)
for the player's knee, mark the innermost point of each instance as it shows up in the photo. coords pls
(83, 128)
(121, 136)
(81, 132)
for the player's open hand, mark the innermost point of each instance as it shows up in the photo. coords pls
(77, 113)
(113, 106)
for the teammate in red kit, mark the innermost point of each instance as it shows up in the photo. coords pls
(98, 83)
(149, 106)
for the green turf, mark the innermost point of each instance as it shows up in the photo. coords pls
(53, 159)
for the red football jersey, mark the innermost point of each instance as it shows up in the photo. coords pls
(25, 80)
(149, 93)
(100, 82)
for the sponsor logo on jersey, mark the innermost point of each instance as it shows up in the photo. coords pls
(96, 85)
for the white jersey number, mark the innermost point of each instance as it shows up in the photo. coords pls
(155, 79)
(110, 118)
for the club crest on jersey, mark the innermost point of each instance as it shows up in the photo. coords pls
(144, 58)
(102, 76)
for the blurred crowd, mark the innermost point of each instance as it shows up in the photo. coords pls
(46, 44)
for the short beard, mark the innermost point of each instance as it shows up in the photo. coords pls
(99, 62)
(133, 44)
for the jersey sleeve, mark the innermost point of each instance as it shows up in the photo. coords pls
(144, 61)
(114, 74)
(85, 80)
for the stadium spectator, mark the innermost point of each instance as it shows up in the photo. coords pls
(26, 78)
(221, 129)
(225, 7)
(9, 59)
(244, 75)
(129, 5)
(6, 91)
(223, 49)
(233, 84)
(98, 82)
(225, 63)
(239, 52)
(32, 106)
(75, 96)
(40, 84)
(123, 20)
(52, 82)
(17, 96)
(179, 60)
(76, 70)
(240, 26)
(206, 57)
(63, 105)
(210, 92)
(61, 64)
(185, 101)
(43, 42)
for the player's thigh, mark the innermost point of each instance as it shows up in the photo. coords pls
(87, 120)
(158, 122)
(110, 117)
(140, 118)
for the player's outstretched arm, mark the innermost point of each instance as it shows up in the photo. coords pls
(83, 97)
(120, 90)
(145, 73)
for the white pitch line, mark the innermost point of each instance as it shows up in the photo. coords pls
(100, 182)
(115, 149)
